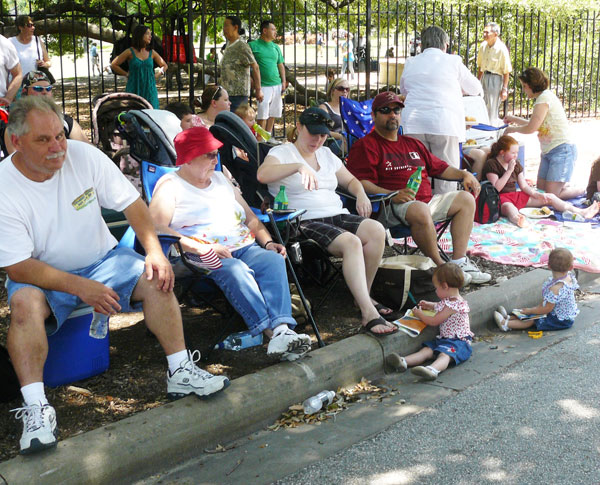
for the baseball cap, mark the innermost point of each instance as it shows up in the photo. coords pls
(385, 99)
(316, 120)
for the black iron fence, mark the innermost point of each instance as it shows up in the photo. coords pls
(313, 35)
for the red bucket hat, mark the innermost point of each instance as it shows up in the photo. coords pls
(194, 142)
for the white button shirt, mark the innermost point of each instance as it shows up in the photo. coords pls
(434, 83)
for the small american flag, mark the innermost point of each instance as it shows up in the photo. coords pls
(208, 260)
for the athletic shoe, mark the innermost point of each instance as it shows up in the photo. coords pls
(289, 345)
(502, 311)
(428, 373)
(471, 268)
(468, 278)
(39, 427)
(191, 379)
(501, 321)
(396, 362)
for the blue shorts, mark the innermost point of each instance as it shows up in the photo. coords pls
(459, 350)
(120, 270)
(552, 322)
(557, 165)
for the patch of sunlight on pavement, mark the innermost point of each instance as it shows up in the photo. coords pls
(493, 468)
(526, 431)
(405, 476)
(577, 410)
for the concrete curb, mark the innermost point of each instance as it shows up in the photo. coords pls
(163, 437)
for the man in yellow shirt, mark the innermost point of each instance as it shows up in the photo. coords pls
(494, 68)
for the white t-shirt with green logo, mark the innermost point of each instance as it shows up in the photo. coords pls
(59, 221)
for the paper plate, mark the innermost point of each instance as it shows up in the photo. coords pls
(532, 213)
(471, 123)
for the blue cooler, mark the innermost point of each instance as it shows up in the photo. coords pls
(74, 355)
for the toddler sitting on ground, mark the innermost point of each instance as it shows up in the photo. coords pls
(558, 303)
(453, 344)
(504, 171)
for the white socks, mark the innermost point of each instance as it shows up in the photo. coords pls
(176, 359)
(34, 393)
(460, 260)
(279, 329)
(433, 369)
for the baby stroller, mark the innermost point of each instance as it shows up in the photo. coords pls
(105, 135)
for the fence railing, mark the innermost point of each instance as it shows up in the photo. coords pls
(383, 33)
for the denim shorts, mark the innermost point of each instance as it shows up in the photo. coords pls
(557, 165)
(552, 322)
(120, 269)
(457, 349)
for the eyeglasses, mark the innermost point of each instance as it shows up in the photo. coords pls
(386, 110)
(41, 89)
(214, 96)
(212, 155)
(342, 88)
(30, 24)
(317, 119)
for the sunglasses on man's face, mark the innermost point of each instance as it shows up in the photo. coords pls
(41, 89)
(386, 110)
(29, 25)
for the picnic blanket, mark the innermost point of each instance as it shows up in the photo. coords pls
(505, 243)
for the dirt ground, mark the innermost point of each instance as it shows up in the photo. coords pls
(136, 378)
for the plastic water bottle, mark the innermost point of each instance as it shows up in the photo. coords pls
(414, 181)
(281, 201)
(316, 403)
(240, 340)
(571, 216)
(265, 135)
(99, 326)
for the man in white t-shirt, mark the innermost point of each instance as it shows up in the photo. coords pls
(58, 253)
(9, 66)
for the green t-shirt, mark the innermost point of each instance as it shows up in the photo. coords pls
(268, 55)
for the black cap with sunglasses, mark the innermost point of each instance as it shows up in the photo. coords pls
(316, 120)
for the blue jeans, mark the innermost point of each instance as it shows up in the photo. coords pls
(557, 164)
(255, 282)
(237, 101)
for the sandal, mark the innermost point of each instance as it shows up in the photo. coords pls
(383, 310)
(378, 321)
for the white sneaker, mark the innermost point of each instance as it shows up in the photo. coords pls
(501, 321)
(191, 379)
(502, 311)
(289, 345)
(396, 362)
(468, 278)
(478, 277)
(39, 427)
(428, 373)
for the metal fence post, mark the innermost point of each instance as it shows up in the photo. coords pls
(368, 50)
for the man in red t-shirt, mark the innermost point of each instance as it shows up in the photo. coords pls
(383, 161)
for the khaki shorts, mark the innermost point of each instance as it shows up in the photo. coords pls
(439, 205)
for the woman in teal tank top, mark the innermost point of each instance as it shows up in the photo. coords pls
(141, 79)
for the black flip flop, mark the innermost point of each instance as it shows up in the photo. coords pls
(392, 315)
(378, 321)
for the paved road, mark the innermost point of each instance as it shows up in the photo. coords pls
(536, 422)
(521, 411)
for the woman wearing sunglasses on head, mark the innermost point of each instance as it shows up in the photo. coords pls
(214, 99)
(337, 88)
(310, 173)
(36, 83)
(32, 52)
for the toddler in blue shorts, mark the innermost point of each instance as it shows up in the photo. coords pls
(558, 299)
(453, 344)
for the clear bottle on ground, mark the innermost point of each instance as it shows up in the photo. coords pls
(316, 403)
(571, 216)
(240, 340)
(99, 326)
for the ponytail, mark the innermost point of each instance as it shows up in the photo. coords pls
(503, 144)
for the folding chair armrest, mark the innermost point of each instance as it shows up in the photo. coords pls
(264, 218)
(372, 197)
(165, 240)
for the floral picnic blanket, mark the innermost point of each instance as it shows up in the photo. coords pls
(506, 243)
